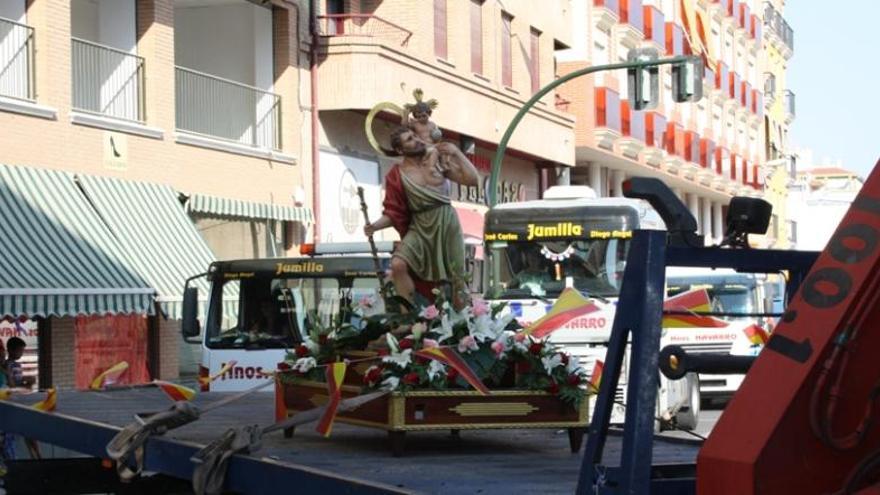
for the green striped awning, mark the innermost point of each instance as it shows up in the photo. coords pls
(226, 207)
(58, 258)
(151, 224)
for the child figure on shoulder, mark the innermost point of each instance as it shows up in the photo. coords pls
(418, 120)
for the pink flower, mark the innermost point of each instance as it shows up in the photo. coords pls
(498, 347)
(467, 343)
(366, 302)
(430, 312)
(480, 307)
(430, 344)
(520, 337)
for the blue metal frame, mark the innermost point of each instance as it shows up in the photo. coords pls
(248, 475)
(640, 311)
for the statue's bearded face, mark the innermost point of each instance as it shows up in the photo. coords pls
(411, 146)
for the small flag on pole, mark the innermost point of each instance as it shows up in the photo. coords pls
(48, 404)
(335, 374)
(596, 377)
(696, 300)
(570, 305)
(450, 357)
(756, 335)
(109, 376)
(174, 391)
(205, 380)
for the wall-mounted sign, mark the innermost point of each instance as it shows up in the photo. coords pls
(506, 192)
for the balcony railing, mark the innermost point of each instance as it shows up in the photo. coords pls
(366, 25)
(16, 60)
(229, 110)
(107, 81)
(777, 25)
(788, 103)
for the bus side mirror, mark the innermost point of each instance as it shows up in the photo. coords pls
(189, 327)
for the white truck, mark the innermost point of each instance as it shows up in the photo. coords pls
(740, 299)
(572, 239)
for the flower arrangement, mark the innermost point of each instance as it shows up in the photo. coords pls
(488, 339)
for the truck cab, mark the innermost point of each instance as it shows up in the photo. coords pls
(259, 309)
(570, 238)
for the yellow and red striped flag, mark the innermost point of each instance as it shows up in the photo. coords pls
(109, 376)
(335, 374)
(48, 404)
(174, 391)
(570, 305)
(449, 357)
(596, 377)
(205, 380)
(696, 300)
(280, 406)
(756, 334)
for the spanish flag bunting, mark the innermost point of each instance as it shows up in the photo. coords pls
(696, 300)
(48, 404)
(109, 376)
(174, 391)
(335, 373)
(205, 380)
(570, 305)
(756, 334)
(449, 357)
(596, 377)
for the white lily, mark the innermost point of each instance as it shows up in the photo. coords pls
(392, 343)
(444, 331)
(391, 383)
(436, 368)
(303, 365)
(551, 362)
(573, 366)
(401, 359)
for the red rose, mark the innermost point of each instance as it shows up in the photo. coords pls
(536, 348)
(382, 352)
(451, 374)
(574, 380)
(564, 358)
(283, 366)
(322, 339)
(422, 360)
(373, 375)
(411, 378)
(406, 344)
(523, 367)
(302, 351)
(553, 388)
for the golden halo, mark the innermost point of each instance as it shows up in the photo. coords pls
(368, 125)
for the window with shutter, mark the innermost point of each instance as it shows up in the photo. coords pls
(506, 56)
(477, 36)
(535, 60)
(440, 29)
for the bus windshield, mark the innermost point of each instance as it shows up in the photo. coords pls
(278, 313)
(724, 296)
(542, 269)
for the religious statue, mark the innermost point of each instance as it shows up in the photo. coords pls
(417, 205)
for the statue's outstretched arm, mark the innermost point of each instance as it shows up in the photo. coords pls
(458, 167)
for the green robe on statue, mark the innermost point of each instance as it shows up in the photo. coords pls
(433, 247)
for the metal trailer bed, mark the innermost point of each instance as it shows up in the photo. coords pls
(352, 460)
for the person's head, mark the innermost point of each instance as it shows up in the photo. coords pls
(15, 348)
(421, 112)
(405, 142)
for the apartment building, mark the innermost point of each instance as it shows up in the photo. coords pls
(780, 104)
(480, 59)
(707, 151)
(141, 140)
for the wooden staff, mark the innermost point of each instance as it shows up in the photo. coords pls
(380, 275)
